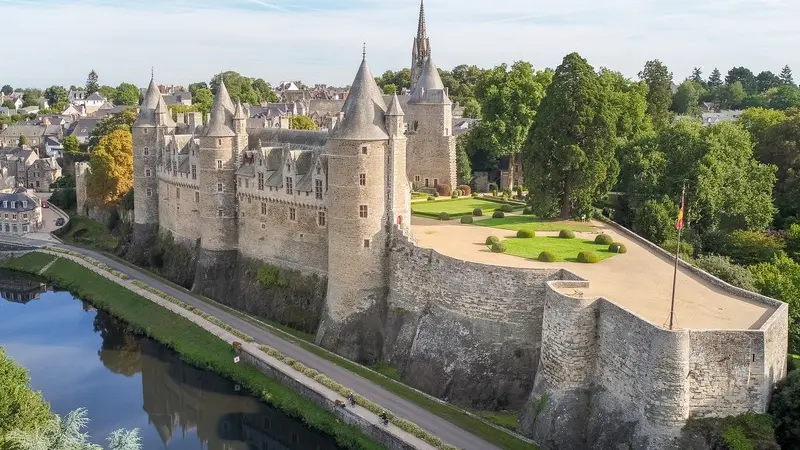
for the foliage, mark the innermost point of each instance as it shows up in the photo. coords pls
(793, 241)
(21, 408)
(203, 99)
(659, 90)
(466, 220)
(456, 208)
(569, 154)
(603, 239)
(111, 167)
(526, 234)
(84, 231)
(300, 122)
(477, 212)
(244, 89)
(499, 247)
(744, 76)
(9, 104)
(265, 91)
(546, 256)
(491, 240)
(109, 92)
(563, 249)
(126, 94)
(751, 247)
(498, 215)
(723, 268)
(566, 234)
(64, 198)
(92, 84)
(463, 164)
(7, 90)
(68, 434)
(655, 220)
(23, 141)
(745, 431)
(516, 223)
(786, 75)
(270, 276)
(507, 208)
(122, 120)
(785, 411)
(687, 99)
(617, 248)
(686, 249)
(588, 257)
(780, 279)
(399, 80)
(71, 144)
(56, 95)
(444, 216)
(444, 189)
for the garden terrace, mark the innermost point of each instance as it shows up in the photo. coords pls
(458, 207)
(640, 280)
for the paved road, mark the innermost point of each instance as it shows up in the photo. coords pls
(445, 430)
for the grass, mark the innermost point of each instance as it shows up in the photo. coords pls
(516, 223)
(419, 196)
(504, 419)
(386, 370)
(457, 208)
(85, 231)
(563, 249)
(195, 345)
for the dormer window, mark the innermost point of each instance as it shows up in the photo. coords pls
(319, 170)
(13, 205)
(24, 204)
(289, 187)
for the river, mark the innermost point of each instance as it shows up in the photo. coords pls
(81, 357)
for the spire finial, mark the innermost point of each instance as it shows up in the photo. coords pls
(152, 73)
(364, 52)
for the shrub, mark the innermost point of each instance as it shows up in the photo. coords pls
(498, 215)
(655, 220)
(751, 247)
(588, 257)
(477, 212)
(493, 188)
(507, 208)
(526, 234)
(269, 275)
(723, 268)
(507, 193)
(436, 194)
(616, 247)
(466, 220)
(444, 216)
(603, 239)
(527, 211)
(494, 192)
(547, 257)
(444, 189)
(687, 249)
(792, 241)
(431, 198)
(519, 191)
(566, 234)
(785, 410)
(475, 195)
(491, 240)
(499, 247)
(455, 195)
(465, 189)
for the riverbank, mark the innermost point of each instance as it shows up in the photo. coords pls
(195, 345)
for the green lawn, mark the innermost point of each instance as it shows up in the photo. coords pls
(458, 207)
(85, 231)
(516, 223)
(563, 249)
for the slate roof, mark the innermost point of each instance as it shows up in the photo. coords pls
(83, 127)
(18, 196)
(394, 107)
(221, 110)
(364, 110)
(96, 96)
(178, 97)
(16, 130)
(429, 87)
(302, 139)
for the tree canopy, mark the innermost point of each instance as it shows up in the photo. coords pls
(92, 84)
(111, 165)
(659, 90)
(244, 89)
(126, 94)
(122, 120)
(202, 98)
(303, 123)
(57, 97)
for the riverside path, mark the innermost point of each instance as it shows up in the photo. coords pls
(435, 425)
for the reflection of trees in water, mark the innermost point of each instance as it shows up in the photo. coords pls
(120, 351)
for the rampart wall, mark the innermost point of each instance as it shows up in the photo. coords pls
(179, 208)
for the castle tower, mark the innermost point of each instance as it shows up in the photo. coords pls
(361, 186)
(216, 167)
(398, 180)
(241, 141)
(421, 49)
(431, 144)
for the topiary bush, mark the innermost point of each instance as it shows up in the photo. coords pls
(431, 198)
(603, 239)
(466, 220)
(444, 189)
(616, 247)
(494, 192)
(526, 234)
(499, 215)
(547, 257)
(477, 212)
(444, 216)
(454, 195)
(566, 234)
(507, 208)
(436, 194)
(465, 189)
(499, 247)
(588, 257)
(493, 188)
(491, 240)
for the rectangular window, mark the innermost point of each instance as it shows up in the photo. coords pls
(318, 189)
(263, 226)
(435, 182)
(219, 187)
(261, 182)
(362, 179)
(364, 149)
(5, 203)
(427, 182)
(247, 183)
(263, 208)
(13, 217)
(177, 193)
(194, 171)
(24, 228)
(174, 166)
(289, 189)
(13, 205)
(219, 164)
(363, 212)
(24, 217)
(219, 212)
(416, 177)
(146, 151)
(321, 218)
(292, 214)
(366, 243)
(149, 192)
(24, 204)
(147, 173)
(197, 196)
(37, 184)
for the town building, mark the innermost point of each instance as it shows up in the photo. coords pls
(20, 212)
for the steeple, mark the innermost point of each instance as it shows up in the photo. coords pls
(223, 97)
(429, 88)
(422, 32)
(421, 50)
(394, 107)
(162, 113)
(364, 109)
(239, 113)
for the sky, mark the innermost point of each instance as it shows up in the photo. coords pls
(320, 41)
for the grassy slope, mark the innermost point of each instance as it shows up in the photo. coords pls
(564, 249)
(529, 222)
(459, 207)
(195, 345)
(85, 231)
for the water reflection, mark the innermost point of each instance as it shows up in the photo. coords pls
(137, 381)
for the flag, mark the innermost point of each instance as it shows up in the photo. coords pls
(679, 224)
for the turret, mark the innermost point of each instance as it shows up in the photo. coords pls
(147, 142)
(240, 129)
(422, 46)
(400, 186)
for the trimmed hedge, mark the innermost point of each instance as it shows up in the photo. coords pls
(616, 247)
(444, 216)
(465, 189)
(507, 208)
(431, 198)
(477, 212)
(526, 234)
(547, 257)
(588, 257)
(566, 234)
(491, 240)
(499, 215)
(603, 239)
(466, 220)
(499, 247)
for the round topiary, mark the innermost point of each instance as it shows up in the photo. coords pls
(494, 192)
(616, 247)
(507, 208)
(454, 195)
(499, 247)
(588, 257)
(547, 257)
(466, 220)
(603, 239)
(527, 212)
(526, 234)
(491, 240)
(436, 194)
(444, 216)
(477, 212)
(499, 215)
(431, 198)
(566, 234)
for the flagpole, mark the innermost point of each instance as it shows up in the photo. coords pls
(677, 255)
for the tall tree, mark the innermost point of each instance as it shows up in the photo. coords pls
(659, 94)
(56, 95)
(9, 104)
(303, 123)
(30, 98)
(111, 167)
(126, 94)
(742, 75)
(239, 87)
(122, 120)
(92, 84)
(109, 92)
(767, 80)
(697, 76)
(7, 90)
(729, 96)
(203, 99)
(265, 91)
(715, 79)
(786, 75)
(687, 99)
(71, 144)
(569, 153)
(627, 102)
(463, 165)
(195, 86)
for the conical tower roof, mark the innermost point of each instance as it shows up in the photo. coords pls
(221, 110)
(239, 114)
(429, 80)
(149, 104)
(364, 110)
(394, 107)
(224, 98)
(161, 108)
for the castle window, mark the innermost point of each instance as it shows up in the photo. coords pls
(194, 171)
(219, 187)
(416, 177)
(263, 208)
(362, 179)
(146, 151)
(289, 188)
(363, 211)
(288, 167)
(435, 182)
(247, 184)
(263, 226)
(319, 170)
(5, 203)
(366, 243)
(219, 164)
(24, 217)
(318, 189)
(321, 218)
(147, 173)
(364, 149)
(197, 196)
(219, 212)
(219, 141)
(242, 214)
(447, 132)
(261, 182)
(149, 192)
(14, 217)
(177, 193)
(145, 131)
(293, 214)
(249, 200)
(427, 182)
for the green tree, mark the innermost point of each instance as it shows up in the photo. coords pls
(239, 87)
(111, 165)
(780, 279)
(729, 96)
(687, 98)
(715, 79)
(7, 90)
(20, 407)
(744, 76)
(195, 86)
(92, 84)
(108, 92)
(697, 76)
(126, 94)
(783, 97)
(786, 75)
(401, 79)
(463, 165)
(627, 102)
(203, 99)
(68, 434)
(389, 89)
(22, 141)
(569, 154)
(767, 80)
(56, 95)
(303, 123)
(30, 99)
(655, 219)
(9, 104)
(785, 411)
(71, 144)
(659, 93)
(122, 120)
(265, 91)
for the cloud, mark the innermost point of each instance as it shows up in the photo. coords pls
(320, 41)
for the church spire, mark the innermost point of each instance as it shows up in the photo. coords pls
(422, 32)
(421, 49)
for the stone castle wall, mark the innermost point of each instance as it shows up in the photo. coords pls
(179, 208)
(431, 144)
